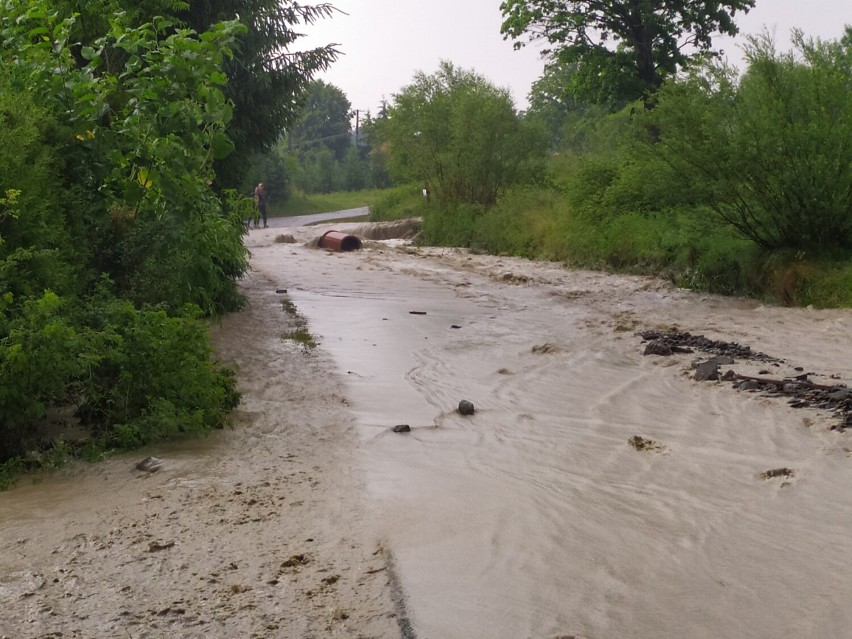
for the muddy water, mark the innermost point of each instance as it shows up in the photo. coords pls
(534, 517)
(205, 547)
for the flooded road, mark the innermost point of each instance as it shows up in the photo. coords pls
(532, 518)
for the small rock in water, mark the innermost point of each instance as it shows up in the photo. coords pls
(840, 395)
(150, 464)
(749, 385)
(658, 347)
(402, 428)
(707, 371)
(466, 407)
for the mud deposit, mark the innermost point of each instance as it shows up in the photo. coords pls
(595, 492)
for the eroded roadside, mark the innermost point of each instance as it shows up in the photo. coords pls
(256, 531)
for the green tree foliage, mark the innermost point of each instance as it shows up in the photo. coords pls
(328, 155)
(460, 134)
(624, 49)
(323, 122)
(270, 168)
(106, 211)
(556, 105)
(770, 152)
(267, 76)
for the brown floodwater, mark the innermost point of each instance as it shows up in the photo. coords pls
(534, 517)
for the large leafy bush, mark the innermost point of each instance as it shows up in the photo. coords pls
(113, 241)
(770, 152)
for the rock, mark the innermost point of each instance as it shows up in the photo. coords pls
(840, 395)
(150, 464)
(466, 407)
(402, 428)
(707, 371)
(658, 347)
(729, 376)
(749, 385)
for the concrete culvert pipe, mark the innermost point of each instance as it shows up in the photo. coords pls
(337, 241)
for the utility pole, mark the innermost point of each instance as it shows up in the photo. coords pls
(357, 119)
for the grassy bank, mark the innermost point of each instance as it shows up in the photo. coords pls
(301, 203)
(685, 245)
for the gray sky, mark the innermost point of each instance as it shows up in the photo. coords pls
(386, 42)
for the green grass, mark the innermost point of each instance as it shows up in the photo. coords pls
(299, 332)
(301, 203)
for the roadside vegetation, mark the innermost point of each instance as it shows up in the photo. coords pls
(121, 233)
(739, 184)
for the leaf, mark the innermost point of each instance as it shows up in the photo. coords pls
(221, 145)
(144, 179)
(88, 53)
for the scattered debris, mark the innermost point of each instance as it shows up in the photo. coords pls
(285, 239)
(645, 445)
(155, 546)
(541, 349)
(454, 326)
(280, 291)
(295, 561)
(402, 428)
(417, 312)
(683, 342)
(785, 473)
(798, 388)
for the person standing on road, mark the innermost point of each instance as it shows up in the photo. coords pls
(260, 200)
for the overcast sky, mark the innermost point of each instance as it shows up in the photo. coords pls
(385, 42)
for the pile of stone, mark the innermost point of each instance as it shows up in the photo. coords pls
(800, 391)
(676, 342)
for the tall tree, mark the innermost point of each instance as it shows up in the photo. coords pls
(324, 121)
(267, 77)
(768, 151)
(460, 134)
(267, 74)
(633, 44)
